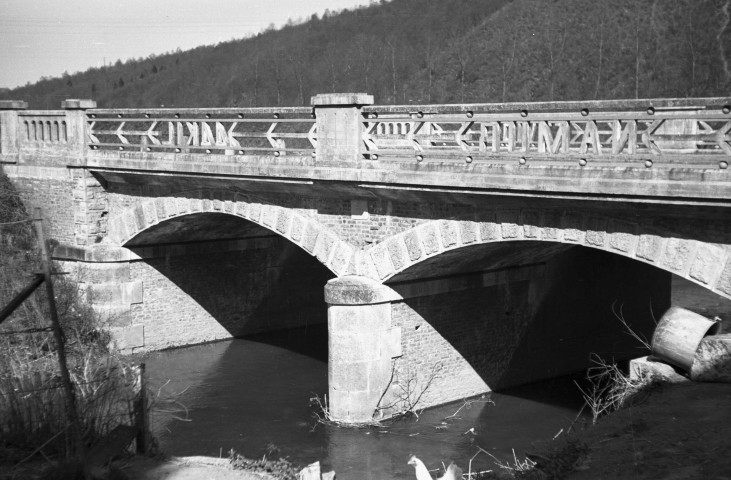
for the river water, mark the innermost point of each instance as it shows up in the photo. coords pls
(252, 395)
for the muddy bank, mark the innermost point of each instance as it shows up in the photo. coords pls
(182, 468)
(673, 431)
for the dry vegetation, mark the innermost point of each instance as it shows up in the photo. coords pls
(33, 416)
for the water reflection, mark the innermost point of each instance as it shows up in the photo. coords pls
(253, 395)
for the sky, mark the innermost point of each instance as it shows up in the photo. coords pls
(49, 37)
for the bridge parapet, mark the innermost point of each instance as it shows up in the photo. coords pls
(654, 149)
(694, 132)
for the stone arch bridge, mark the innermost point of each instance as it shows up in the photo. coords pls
(460, 248)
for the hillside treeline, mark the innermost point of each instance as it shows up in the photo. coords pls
(435, 51)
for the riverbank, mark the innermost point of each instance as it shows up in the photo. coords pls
(672, 432)
(183, 468)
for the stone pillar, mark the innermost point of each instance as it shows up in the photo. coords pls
(91, 206)
(361, 346)
(76, 125)
(9, 131)
(339, 125)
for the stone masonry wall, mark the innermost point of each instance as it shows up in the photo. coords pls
(51, 189)
(463, 339)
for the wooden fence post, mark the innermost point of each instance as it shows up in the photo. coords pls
(141, 421)
(71, 411)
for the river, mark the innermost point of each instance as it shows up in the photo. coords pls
(252, 395)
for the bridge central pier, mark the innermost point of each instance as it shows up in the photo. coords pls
(362, 342)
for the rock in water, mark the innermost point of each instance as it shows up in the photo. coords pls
(712, 361)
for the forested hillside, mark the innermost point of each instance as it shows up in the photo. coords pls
(435, 51)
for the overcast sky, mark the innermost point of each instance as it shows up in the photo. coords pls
(48, 37)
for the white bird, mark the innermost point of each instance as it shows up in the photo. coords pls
(453, 472)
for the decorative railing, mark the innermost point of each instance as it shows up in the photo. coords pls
(204, 131)
(654, 134)
(672, 132)
(43, 127)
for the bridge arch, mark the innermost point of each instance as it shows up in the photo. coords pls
(305, 232)
(706, 263)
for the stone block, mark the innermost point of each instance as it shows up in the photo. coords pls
(397, 253)
(242, 209)
(139, 218)
(187, 205)
(724, 281)
(117, 231)
(489, 231)
(353, 345)
(622, 237)
(531, 224)
(428, 235)
(509, 224)
(310, 237)
(382, 261)
(295, 231)
(648, 247)
(113, 293)
(132, 292)
(129, 337)
(413, 245)
(269, 215)
(572, 227)
(468, 232)
(78, 104)
(350, 376)
(283, 221)
(551, 224)
(648, 369)
(341, 258)
(392, 343)
(160, 208)
(150, 213)
(324, 247)
(255, 212)
(712, 361)
(115, 316)
(596, 231)
(677, 254)
(707, 263)
(106, 273)
(171, 207)
(448, 230)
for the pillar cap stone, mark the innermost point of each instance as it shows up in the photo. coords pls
(78, 104)
(354, 290)
(13, 105)
(333, 99)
